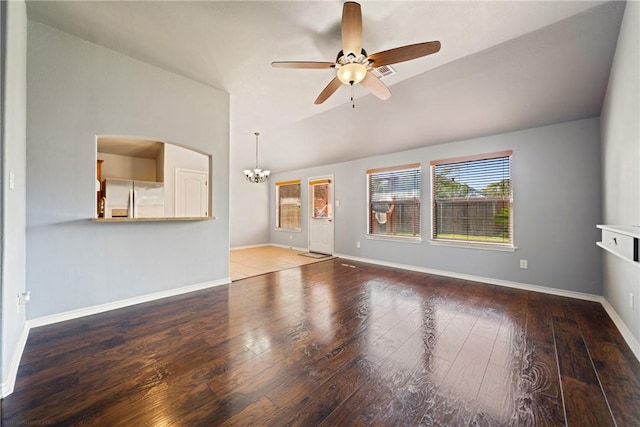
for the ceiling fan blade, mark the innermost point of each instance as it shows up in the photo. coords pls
(375, 86)
(404, 53)
(328, 91)
(351, 28)
(303, 64)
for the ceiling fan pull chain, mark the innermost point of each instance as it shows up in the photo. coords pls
(353, 104)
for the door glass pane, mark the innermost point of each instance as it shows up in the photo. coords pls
(321, 208)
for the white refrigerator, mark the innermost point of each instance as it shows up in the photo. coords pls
(125, 198)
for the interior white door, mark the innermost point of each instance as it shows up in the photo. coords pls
(192, 195)
(321, 215)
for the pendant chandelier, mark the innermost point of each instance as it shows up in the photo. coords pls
(256, 175)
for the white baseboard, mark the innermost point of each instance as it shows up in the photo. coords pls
(487, 280)
(88, 311)
(622, 327)
(8, 385)
(270, 244)
(288, 247)
(250, 246)
(624, 330)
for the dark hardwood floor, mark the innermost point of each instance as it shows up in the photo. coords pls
(333, 343)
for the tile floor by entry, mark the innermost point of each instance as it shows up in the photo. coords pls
(251, 262)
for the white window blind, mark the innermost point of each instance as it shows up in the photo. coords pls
(288, 205)
(473, 199)
(394, 201)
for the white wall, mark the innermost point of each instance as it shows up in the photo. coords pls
(13, 202)
(556, 179)
(620, 125)
(248, 208)
(78, 90)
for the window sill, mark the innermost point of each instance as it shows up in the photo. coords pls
(166, 219)
(414, 240)
(485, 247)
(289, 230)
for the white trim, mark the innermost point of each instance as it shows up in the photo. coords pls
(7, 386)
(631, 341)
(88, 311)
(269, 244)
(250, 246)
(288, 247)
(392, 238)
(488, 280)
(619, 255)
(332, 212)
(469, 245)
(622, 327)
(627, 230)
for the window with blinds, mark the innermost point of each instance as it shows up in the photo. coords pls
(288, 205)
(394, 201)
(473, 199)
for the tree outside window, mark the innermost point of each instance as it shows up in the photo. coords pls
(473, 199)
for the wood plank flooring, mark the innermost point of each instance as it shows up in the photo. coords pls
(335, 343)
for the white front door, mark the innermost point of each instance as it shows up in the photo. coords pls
(191, 193)
(321, 215)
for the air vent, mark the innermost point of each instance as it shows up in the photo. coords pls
(383, 71)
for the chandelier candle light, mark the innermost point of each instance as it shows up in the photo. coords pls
(257, 175)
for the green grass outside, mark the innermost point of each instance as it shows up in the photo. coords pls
(492, 239)
(462, 237)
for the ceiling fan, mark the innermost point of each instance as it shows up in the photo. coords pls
(353, 65)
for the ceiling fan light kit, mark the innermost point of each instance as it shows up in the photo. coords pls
(352, 73)
(256, 175)
(353, 65)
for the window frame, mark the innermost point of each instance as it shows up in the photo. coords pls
(394, 237)
(499, 246)
(280, 184)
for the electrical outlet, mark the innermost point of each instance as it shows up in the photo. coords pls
(290, 236)
(524, 264)
(358, 245)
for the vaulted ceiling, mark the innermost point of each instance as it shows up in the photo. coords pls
(503, 66)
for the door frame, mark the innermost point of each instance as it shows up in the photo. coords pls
(331, 178)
